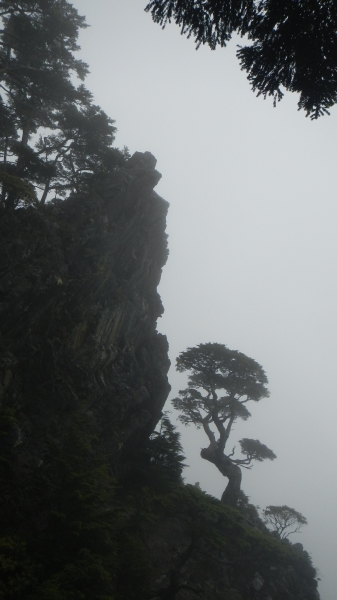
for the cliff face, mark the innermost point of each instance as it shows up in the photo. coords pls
(89, 509)
(79, 306)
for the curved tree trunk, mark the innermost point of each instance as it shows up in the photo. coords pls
(228, 469)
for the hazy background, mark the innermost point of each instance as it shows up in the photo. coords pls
(252, 237)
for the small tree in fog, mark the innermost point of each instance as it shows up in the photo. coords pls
(213, 367)
(283, 518)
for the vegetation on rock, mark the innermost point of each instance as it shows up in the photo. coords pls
(184, 542)
(160, 456)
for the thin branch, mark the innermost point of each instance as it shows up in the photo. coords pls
(10, 34)
(54, 148)
(243, 461)
(18, 9)
(6, 12)
(232, 453)
(24, 67)
(297, 530)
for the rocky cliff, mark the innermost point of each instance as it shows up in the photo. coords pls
(79, 306)
(91, 508)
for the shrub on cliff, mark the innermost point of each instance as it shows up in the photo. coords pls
(159, 461)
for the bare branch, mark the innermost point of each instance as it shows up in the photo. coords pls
(232, 453)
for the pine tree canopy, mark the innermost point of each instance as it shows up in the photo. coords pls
(292, 44)
(220, 384)
(52, 137)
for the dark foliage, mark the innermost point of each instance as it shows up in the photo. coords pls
(165, 452)
(53, 140)
(158, 461)
(213, 367)
(69, 533)
(57, 533)
(293, 44)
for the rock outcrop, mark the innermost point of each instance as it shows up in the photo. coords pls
(79, 306)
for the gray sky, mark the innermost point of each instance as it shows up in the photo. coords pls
(252, 238)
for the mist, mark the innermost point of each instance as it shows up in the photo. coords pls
(253, 245)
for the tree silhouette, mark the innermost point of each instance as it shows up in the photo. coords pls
(281, 518)
(53, 139)
(292, 45)
(214, 367)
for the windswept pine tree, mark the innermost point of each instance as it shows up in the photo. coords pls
(213, 367)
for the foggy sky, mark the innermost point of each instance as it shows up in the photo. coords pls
(252, 238)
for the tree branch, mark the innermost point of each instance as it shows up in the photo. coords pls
(25, 67)
(9, 34)
(242, 461)
(207, 429)
(232, 453)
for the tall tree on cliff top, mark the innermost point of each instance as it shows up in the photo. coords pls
(52, 138)
(214, 367)
(293, 44)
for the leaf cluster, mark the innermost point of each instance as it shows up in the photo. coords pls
(214, 367)
(293, 45)
(254, 450)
